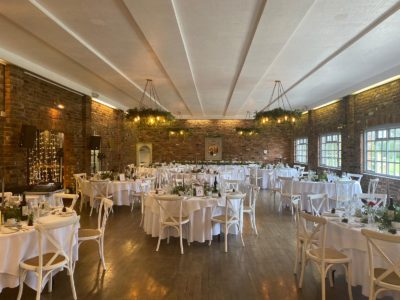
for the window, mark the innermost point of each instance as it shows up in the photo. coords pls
(330, 150)
(301, 150)
(382, 151)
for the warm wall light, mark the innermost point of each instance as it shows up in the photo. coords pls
(377, 84)
(2, 62)
(104, 103)
(326, 104)
(60, 106)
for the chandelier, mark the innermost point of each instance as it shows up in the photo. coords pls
(284, 113)
(150, 115)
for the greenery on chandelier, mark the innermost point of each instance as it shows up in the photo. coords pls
(278, 115)
(179, 132)
(149, 116)
(247, 131)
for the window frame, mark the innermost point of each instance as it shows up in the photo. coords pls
(387, 139)
(306, 150)
(339, 151)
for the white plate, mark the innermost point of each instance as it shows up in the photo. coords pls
(8, 230)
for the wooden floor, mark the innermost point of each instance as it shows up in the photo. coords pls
(263, 269)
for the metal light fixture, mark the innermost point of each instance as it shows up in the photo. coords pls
(147, 115)
(284, 113)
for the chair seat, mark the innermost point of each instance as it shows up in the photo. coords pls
(88, 234)
(331, 255)
(34, 261)
(221, 219)
(170, 221)
(392, 278)
(247, 209)
(291, 195)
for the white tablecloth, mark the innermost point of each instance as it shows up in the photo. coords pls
(120, 190)
(19, 246)
(269, 177)
(305, 188)
(351, 242)
(199, 210)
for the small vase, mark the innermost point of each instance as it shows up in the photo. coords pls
(371, 217)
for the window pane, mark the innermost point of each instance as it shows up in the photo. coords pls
(382, 151)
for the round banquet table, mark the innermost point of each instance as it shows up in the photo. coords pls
(21, 245)
(305, 188)
(120, 190)
(269, 176)
(349, 240)
(199, 210)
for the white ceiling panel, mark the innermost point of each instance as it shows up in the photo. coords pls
(208, 59)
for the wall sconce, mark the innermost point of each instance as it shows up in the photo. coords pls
(59, 105)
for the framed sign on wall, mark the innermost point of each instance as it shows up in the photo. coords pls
(213, 148)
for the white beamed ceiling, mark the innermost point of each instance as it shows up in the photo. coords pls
(210, 58)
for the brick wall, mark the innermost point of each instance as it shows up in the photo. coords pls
(31, 101)
(274, 139)
(351, 116)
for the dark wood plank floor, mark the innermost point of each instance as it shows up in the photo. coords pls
(261, 270)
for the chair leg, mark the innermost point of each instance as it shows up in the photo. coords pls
(71, 279)
(39, 286)
(226, 237)
(296, 258)
(22, 276)
(102, 253)
(303, 262)
(323, 275)
(241, 234)
(180, 238)
(159, 238)
(349, 275)
(330, 276)
(50, 284)
(254, 221)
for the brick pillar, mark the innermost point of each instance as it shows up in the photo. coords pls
(350, 139)
(312, 142)
(86, 133)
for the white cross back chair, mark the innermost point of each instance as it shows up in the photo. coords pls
(324, 258)
(317, 203)
(249, 206)
(343, 193)
(58, 197)
(354, 176)
(233, 212)
(382, 279)
(98, 233)
(99, 190)
(79, 178)
(45, 263)
(171, 215)
(287, 195)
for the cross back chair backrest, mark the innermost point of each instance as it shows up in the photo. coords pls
(372, 185)
(314, 229)
(343, 191)
(254, 191)
(354, 176)
(375, 243)
(317, 202)
(58, 197)
(232, 184)
(300, 171)
(100, 188)
(171, 208)
(286, 185)
(79, 177)
(44, 233)
(378, 199)
(233, 207)
(104, 212)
